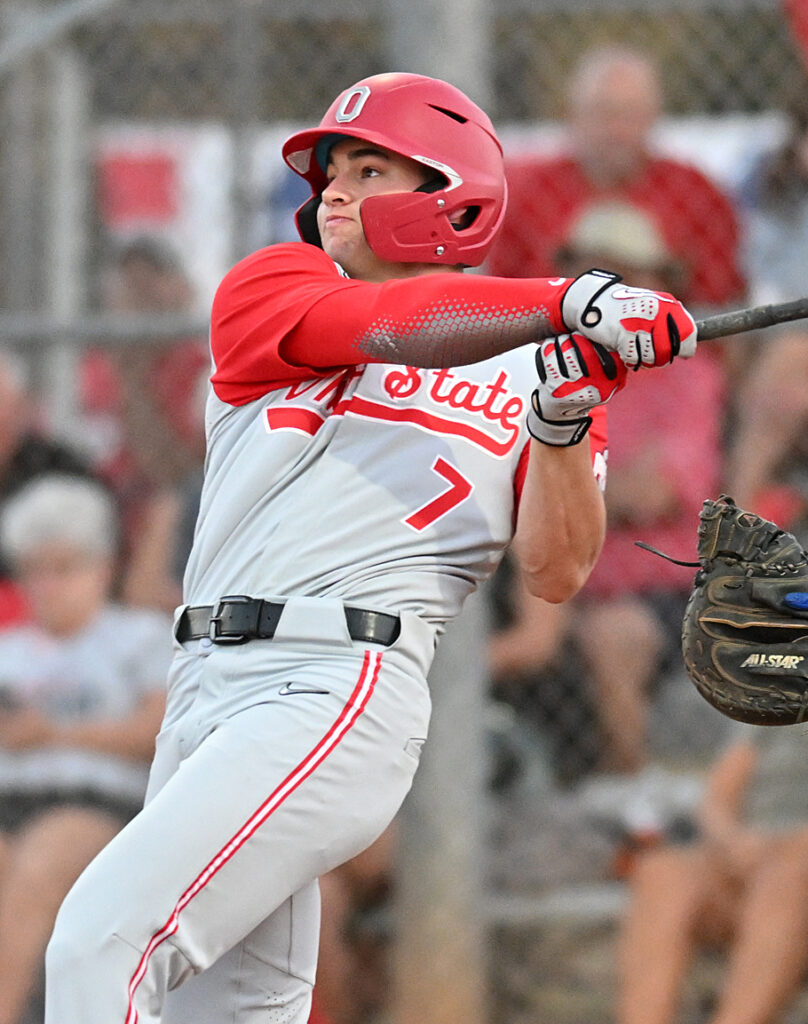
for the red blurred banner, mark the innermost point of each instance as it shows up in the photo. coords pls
(797, 14)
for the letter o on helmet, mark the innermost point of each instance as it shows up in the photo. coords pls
(437, 125)
(351, 104)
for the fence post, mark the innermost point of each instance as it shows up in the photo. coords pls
(449, 39)
(245, 102)
(18, 193)
(439, 958)
(68, 209)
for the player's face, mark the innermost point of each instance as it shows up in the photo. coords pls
(356, 170)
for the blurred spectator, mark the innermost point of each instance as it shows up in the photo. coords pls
(665, 457)
(743, 884)
(768, 459)
(535, 670)
(162, 542)
(767, 464)
(158, 553)
(25, 453)
(143, 397)
(81, 699)
(625, 239)
(599, 657)
(147, 400)
(614, 102)
(773, 201)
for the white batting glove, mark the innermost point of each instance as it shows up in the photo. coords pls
(575, 375)
(645, 328)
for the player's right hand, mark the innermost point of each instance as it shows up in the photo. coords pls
(575, 375)
(643, 327)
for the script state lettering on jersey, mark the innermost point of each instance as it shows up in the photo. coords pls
(486, 413)
(492, 402)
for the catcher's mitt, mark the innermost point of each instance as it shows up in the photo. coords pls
(745, 628)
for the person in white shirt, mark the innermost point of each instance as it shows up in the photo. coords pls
(81, 698)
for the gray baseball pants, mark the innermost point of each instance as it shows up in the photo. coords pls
(277, 761)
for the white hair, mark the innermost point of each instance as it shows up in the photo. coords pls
(599, 62)
(60, 509)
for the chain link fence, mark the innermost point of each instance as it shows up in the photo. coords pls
(199, 81)
(151, 131)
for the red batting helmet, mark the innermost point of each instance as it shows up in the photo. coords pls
(435, 124)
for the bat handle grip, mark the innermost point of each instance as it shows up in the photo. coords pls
(752, 319)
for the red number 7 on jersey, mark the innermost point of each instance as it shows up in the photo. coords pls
(459, 489)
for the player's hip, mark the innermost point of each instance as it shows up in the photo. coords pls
(210, 682)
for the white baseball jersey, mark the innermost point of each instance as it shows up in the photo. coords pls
(391, 487)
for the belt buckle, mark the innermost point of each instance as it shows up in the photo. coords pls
(214, 635)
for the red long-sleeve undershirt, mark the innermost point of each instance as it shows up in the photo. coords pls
(286, 312)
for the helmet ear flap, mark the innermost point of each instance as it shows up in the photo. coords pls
(306, 220)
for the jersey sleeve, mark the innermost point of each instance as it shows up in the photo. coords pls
(256, 306)
(287, 313)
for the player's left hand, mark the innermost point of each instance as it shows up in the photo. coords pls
(575, 375)
(643, 327)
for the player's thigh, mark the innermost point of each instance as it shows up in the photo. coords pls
(275, 796)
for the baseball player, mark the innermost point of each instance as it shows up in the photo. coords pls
(368, 459)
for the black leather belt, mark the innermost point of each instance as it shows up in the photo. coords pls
(237, 619)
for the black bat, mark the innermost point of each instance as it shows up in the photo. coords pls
(751, 319)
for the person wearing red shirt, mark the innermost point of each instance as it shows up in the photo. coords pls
(630, 612)
(615, 100)
(665, 456)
